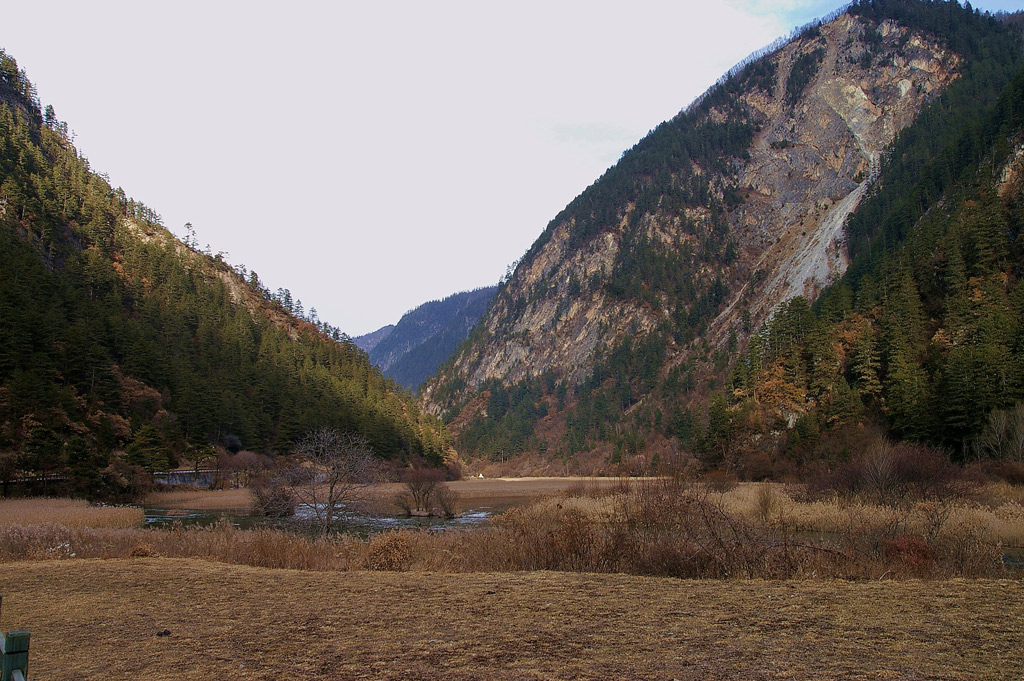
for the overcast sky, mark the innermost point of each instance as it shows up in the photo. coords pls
(371, 156)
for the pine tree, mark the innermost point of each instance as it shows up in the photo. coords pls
(908, 396)
(148, 450)
(958, 305)
(823, 365)
(866, 363)
(987, 231)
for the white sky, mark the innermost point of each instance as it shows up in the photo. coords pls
(371, 156)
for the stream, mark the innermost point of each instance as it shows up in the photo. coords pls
(356, 523)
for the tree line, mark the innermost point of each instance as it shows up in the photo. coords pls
(116, 337)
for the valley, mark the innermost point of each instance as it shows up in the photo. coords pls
(750, 406)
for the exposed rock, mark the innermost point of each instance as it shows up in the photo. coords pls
(810, 163)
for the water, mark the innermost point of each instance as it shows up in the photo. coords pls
(165, 517)
(356, 523)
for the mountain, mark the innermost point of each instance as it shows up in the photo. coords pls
(118, 337)
(425, 337)
(368, 341)
(620, 326)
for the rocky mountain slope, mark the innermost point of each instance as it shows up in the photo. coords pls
(636, 298)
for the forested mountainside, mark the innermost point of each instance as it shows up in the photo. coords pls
(638, 324)
(368, 341)
(426, 336)
(116, 335)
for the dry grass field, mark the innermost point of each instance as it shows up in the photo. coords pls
(71, 513)
(500, 493)
(201, 500)
(99, 619)
(487, 603)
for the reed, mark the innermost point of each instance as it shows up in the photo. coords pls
(657, 527)
(239, 499)
(67, 512)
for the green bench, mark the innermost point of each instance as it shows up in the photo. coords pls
(13, 655)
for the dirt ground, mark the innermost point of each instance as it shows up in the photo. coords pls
(473, 492)
(94, 619)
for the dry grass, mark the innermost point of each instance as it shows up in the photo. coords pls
(202, 500)
(99, 619)
(661, 528)
(651, 531)
(496, 494)
(1000, 520)
(73, 513)
(224, 543)
(502, 493)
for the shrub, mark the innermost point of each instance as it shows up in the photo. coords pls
(271, 499)
(389, 551)
(1011, 471)
(757, 466)
(446, 498)
(893, 474)
(719, 481)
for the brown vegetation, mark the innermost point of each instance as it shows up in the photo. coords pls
(667, 528)
(426, 493)
(204, 500)
(71, 513)
(893, 474)
(100, 619)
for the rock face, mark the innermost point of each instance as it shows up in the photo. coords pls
(737, 232)
(812, 163)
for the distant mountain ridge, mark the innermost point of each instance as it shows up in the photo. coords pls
(368, 341)
(414, 348)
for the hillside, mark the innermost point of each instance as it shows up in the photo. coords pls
(118, 336)
(629, 311)
(368, 341)
(426, 336)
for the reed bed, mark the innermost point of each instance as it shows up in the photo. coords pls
(995, 514)
(659, 528)
(239, 499)
(223, 543)
(71, 513)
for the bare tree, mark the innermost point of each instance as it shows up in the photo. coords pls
(1003, 436)
(420, 484)
(329, 472)
(245, 466)
(426, 493)
(446, 499)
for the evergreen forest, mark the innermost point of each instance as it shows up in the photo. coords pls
(122, 348)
